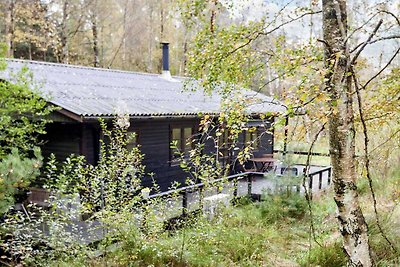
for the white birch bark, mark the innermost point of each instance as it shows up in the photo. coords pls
(351, 221)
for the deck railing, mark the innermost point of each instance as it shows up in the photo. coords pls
(182, 194)
(184, 191)
(320, 175)
(303, 153)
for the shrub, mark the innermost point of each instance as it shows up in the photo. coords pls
(23, 112)
(106, 193)
(16, 173)
(278, 207)
(382, 252)
(331, 255)
(113, 183)
(35, 237)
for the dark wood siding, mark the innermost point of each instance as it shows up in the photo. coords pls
(62, 139)
(154, 141)
(153, 136)
(89, 146)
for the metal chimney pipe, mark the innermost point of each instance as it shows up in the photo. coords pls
(165, 56)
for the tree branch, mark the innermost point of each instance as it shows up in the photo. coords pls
(380, 71)
(367, 163)
(361, 26)
(306, 190)
(327, 45)
(354, 59)
(376, 40)
(290, 21)
(393, 15)
(386, 141)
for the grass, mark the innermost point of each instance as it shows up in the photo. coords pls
(275, 232)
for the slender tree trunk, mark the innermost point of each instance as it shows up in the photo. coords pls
(9, 28)
(352, 224)
(64, 55)
(150, 42)
(185, 51)
(95, 41)
(162, 21)
(162, 28)
(93, 20)
(213, 15)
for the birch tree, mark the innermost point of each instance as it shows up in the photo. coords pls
(338, 84)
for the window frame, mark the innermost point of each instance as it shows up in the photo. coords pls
(254, 140)
(172, 160)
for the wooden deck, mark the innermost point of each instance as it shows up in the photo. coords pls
(180, 202)
(184, 200)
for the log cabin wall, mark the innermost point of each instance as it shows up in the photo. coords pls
(62, 139)
(66, 138)
(153, 136)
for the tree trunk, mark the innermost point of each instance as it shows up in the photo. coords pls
(93, 20)
(150, 37)
(213, 15)
(352, 224)
(64, 57)
(9, 28)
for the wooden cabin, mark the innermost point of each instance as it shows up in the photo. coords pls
(160, 111)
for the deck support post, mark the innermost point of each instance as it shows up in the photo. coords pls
(285, 139)
(235, 187)
(329, 176)
(249, 182)
(320, 181)
(184, 203)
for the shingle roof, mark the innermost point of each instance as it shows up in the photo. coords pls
(87, 92)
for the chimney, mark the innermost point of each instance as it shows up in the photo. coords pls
(165, 56)
(165, 61)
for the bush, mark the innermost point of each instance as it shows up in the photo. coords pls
(106, 193)
(24, 114)
(382, 252)
(278, 207)
(331, 255)
(16, 173)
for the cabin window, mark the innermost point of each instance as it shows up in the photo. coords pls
(224, 144)
(181, 136)
(224, 147)
(251, 138)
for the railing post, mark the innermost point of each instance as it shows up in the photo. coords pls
(310, 184)
(329, 175)
(235, 187)
(320, 181)
(249, 184)
(184, 203)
